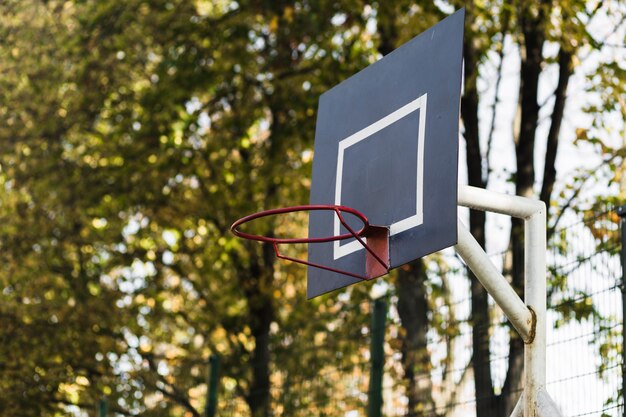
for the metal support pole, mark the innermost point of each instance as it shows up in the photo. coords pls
(621, 211)
(535, 400)
(379, 318)
(535, 297)
(546, 406)
(211, 400)
(102, 407)
(496, 285)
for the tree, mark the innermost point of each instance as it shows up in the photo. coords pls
(135, 132)
(164, 122)
(532, 27)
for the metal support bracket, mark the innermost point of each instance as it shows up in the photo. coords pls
(528, 317)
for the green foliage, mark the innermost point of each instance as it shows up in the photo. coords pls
(132, 135)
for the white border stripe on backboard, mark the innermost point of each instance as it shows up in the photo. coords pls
(416, 219)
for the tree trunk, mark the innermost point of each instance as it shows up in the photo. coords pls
(560, 96)
(259, 395)
(480, 306)
(410, 284)
(531, 20)
(413, 311)
(261, 312)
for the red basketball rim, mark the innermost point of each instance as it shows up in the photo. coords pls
(316, 207)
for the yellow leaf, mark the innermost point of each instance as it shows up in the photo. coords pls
(273, 24)
(288, 13)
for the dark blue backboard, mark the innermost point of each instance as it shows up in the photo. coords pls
(386, 144)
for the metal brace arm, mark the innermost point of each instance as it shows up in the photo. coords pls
(535, 401)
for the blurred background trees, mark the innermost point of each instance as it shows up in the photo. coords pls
(134, 132)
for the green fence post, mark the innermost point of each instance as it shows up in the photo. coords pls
(377, 353)
(621, 211)
(211, 399)
(102, 408)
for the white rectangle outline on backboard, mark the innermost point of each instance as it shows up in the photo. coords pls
(414, 220)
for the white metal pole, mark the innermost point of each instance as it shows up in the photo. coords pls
(546, 407)
(534, 214)
(518, 411)
(496, 285)
(535, 297)
(511, 205)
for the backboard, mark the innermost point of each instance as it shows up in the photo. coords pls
(386, 144)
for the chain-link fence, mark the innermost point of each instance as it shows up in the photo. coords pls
(584, 341)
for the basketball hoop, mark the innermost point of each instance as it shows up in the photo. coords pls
(377, 245)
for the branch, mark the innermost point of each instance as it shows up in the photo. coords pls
(469, 115)
(598, 44)
(573, 197)
(452, 389)
(494, 106)
(223, 18)
(172, 393)
(177, 397)
(549, 169)
(302, 70)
